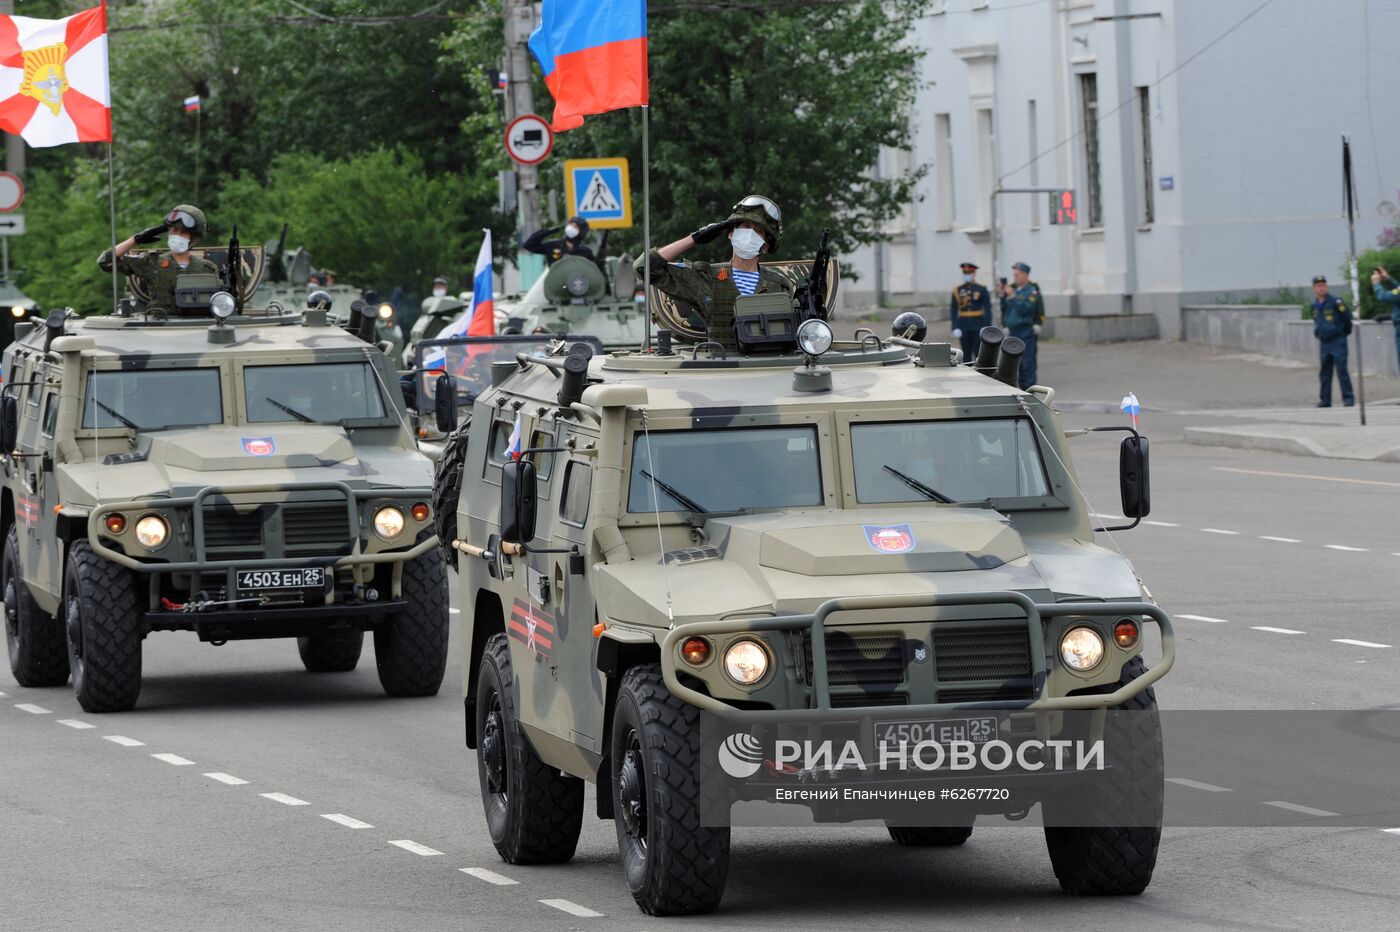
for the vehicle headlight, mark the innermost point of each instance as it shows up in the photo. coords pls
(388, 522)
(386, 311)
(1081, 649)
(152, 531)
(814, 337)
(222, 304)
(746, 661)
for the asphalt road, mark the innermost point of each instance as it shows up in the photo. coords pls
(1283, 574)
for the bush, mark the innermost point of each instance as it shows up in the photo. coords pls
(1388, 257)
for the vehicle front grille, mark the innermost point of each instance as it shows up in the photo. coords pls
(231, 534)
(997, 660)
(318, 525)
(863, 660)
(860, 699)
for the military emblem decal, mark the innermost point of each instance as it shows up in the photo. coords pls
(920, 653)
(890, 538)
(259, 446)
(531, 626)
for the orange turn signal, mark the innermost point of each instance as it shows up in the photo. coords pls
(695, 651)
(116, 523)
(420, 511)
(1125, 633)
(598, 629)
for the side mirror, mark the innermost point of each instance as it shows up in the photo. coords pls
(1134, 478)
(445, 406)
(9, 423)
(518, 501)
(410, 392)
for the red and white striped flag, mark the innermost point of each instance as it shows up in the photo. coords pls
(54, 83)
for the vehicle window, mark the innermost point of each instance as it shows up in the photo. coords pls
(578, 486)
(153, 399)
(725, 470)
(500, 441)
(50, 413)
(324, 393)
(542, 461)
(965, 461)
(34, 390)
(16, 378)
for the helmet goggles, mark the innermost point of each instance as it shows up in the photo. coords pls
(183, 218)
(758, 200)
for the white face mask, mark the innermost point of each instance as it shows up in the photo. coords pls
(747, 243)
(571, 231)
(967, 277)
(439, 292)
(178, 243)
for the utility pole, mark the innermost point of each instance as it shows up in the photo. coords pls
(1349, 200)
(520, 100)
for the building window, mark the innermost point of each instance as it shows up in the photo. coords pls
(943, 159)
(1033, 144)
(986, 163)
(1145, 142)
(1089, 95)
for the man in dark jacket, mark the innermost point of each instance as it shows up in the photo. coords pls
(1331, 324)
(555, 249)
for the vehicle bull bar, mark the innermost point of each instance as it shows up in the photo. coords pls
(815, 623)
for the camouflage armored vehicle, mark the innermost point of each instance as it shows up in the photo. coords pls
(835, 531)
(238, 473)
(577, 296)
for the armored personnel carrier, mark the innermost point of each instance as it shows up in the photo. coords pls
(575, 296)
(235, 472)
(824, 532)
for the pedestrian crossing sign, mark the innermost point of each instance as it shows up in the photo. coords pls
(598, 190)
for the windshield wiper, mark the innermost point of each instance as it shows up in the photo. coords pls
(290, 410)
(118, 415)
(927, 492)
(689, 504)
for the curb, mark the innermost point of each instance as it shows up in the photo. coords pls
(1278, 443)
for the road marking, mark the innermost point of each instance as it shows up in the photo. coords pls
(284, 799)
(342, 819)
(1346, 548)
(3, 695)
(228, 778)
(1357, 643)
(1275, 630)
(1281, 540)
(1214, 621)
(416, 848)
(75, 723)
(1216, 530)
(1197, 785)
(124, 741)
(31, 708)
(481, 873)
(1391, 831)
(175, 759)
(1294, 807)
(1299, 475)
(1161, 524)
(573, 909)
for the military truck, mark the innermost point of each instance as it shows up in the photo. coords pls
(234, 472)
(835, 530)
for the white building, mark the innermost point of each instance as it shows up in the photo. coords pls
(1203, 144)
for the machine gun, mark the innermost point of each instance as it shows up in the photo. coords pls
(233, 270)
(810, 297)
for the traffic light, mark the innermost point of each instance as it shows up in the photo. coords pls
(1063, 209)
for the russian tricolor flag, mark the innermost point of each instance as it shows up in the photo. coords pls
(480, 320)
(594, 56)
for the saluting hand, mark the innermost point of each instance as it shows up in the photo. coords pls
(150, 234)
(711, 232)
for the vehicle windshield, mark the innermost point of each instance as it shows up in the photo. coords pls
(956, 461)
(322, 393)
(705, 471)
(153, 399)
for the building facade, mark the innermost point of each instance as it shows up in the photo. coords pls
(1201, 139)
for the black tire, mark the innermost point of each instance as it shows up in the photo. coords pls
(410, 646)
(104, 631)
(38, 653)
(332, 652)
(533, 811)
(674, 864)
(929, 836)
(1118, 861)
(447, 488)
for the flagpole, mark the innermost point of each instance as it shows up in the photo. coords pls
(112, 207)
(198, 119)
(646, 222)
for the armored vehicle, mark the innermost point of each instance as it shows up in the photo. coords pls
(576, 295)
(238, 473)
(837, 531)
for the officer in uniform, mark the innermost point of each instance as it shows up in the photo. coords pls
(1331, 325)
(1022, 313)
(1387, 291)
(555, 249)
(158, 271)
(970, 311)
(754, 228)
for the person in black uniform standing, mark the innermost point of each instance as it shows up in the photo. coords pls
(970, 311)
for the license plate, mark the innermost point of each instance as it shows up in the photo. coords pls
(978, 730)
(306, 577)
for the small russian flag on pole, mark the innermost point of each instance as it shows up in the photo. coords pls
(191, 104)
(1131, 406)
(513, 446)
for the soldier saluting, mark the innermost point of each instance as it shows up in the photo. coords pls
(158, 271)
(970, 311)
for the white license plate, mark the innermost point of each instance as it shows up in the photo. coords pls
(978, 730)
(306, 577)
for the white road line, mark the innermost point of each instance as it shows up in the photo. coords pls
(124, 741)
(1281, 540)
(1198, 785)
(75, 723)
(31, 708)
(345, 820)
(1161, 524)
(1294, 807)
(3, 695)
(284, 799)
(1214, 621)
(1347, 549)
(573, 909)
(1391, 831)
(1357, 643)
(175, 759)
(228, 778)
(1299, 475)
(1216, 530)
(481, 873)
(1275, 630)
(416, 848)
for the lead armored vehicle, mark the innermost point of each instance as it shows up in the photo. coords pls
(239, 473)
(825, 531)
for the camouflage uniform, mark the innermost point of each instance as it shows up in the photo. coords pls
(158, 270)
(709, 289)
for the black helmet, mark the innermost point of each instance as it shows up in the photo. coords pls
(911, 326)
(582, 225)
